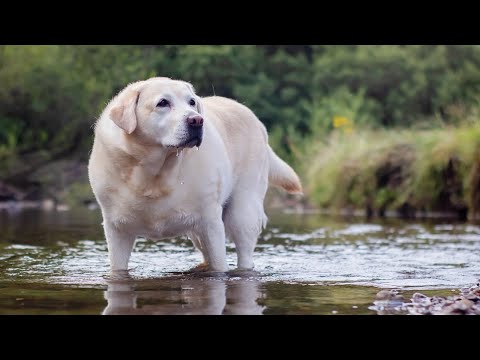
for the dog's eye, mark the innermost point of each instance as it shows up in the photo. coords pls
(163, 103)
(192, 102)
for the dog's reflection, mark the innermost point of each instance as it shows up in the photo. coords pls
(172, 296)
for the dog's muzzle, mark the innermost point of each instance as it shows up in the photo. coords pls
(195, 131)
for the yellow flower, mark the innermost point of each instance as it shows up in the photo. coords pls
(339, 121)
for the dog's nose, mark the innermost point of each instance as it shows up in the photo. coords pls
(195, 121)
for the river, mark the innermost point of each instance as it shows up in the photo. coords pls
(57, 263)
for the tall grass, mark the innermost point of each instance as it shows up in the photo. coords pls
(402, 170)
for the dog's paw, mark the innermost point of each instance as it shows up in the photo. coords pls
(203, 267)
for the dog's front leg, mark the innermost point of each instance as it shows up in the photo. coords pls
(212, 234)
(120, 245)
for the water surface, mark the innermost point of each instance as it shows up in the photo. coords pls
(57, 263)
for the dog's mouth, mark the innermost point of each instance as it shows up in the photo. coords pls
(193, 137)
(192, 142)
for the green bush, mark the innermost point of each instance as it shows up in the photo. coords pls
(51, 95)
(408, 82)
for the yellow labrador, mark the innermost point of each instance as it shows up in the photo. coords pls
(166, 162)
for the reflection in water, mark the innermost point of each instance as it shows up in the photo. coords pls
(306, 264)
(191, 296)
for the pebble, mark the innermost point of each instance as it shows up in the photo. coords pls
(467, 302)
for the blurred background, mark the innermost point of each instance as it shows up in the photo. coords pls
(378, 128)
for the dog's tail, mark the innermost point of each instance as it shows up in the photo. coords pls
(282, 175)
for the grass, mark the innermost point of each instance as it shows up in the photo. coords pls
(405, 170)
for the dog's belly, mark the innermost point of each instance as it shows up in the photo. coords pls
(161, 227)
(163, 231)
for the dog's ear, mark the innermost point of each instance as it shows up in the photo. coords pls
(124, 113)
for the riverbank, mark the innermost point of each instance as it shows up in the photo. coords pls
(408, 173)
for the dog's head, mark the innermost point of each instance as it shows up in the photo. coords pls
(160, 111)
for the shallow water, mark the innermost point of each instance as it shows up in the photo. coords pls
(57, 263)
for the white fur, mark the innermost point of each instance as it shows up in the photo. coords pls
(145, 189)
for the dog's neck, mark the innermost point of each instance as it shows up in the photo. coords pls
(153, 160)
(148, 170)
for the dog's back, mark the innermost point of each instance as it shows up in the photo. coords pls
(238, 125)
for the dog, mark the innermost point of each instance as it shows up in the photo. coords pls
(167, 163)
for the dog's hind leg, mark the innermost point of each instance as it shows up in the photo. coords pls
(244, 220)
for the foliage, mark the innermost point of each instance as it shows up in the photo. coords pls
(406, 82)
(50, 94)
(310, 98)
